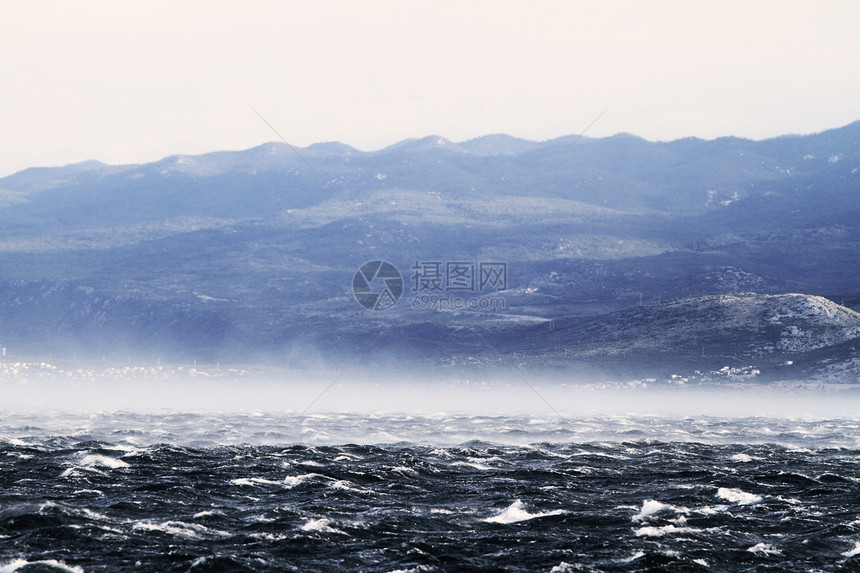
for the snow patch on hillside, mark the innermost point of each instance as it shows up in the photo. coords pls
(815, 309)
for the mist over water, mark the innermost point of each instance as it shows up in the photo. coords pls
(361, 393)
(331, 408)
(181, 469)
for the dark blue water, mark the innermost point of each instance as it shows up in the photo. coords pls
(193, 492)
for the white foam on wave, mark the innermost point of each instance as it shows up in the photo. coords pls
(127, 448)
(288, 482)
(100, 461)
(206, 513)
(565, 567)
(49, 565)
(404, 470)
(853, 552)
(293, 481)
(651, 531)
(764, 549)
(348, 486)
(254, 482)
(516, 512)
(321, 526)
(54, 507)
(744, 458)
(90, 514)
(417, 569)
(93, 463)
(650, 507)
(737, 496)
(634, 557)
(180, 529)
(473, 465)
(269, 536)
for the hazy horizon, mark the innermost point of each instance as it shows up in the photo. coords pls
(128, 83)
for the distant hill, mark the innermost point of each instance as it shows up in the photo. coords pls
(708, 332)
(250, 255)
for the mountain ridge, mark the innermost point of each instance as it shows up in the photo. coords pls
(851, 133)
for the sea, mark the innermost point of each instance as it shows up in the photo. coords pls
(547, 491)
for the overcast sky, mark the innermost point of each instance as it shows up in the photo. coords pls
(127, 82)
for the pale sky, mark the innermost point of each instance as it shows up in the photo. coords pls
(130, 82)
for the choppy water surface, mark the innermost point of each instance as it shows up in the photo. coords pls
(257, 492)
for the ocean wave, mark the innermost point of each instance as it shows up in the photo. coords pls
(517, 512)
(737, 496)
(633, 504)
(180, 529)
(45, 566)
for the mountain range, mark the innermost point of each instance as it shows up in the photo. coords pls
(621, 257)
